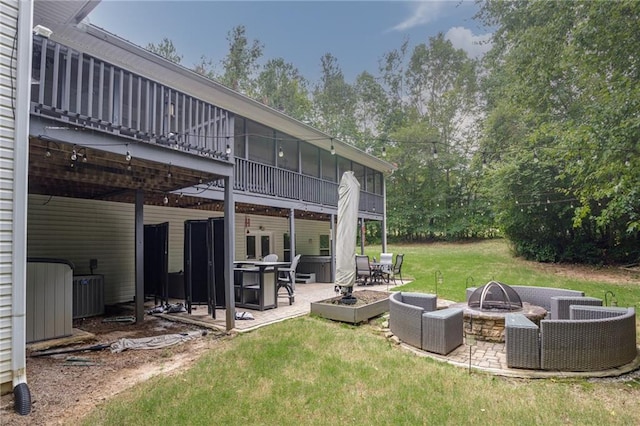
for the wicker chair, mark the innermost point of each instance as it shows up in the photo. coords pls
(539, 296)
(405, 315)
(560, 305)
(522, 342)
(442, 330)
(590, 344)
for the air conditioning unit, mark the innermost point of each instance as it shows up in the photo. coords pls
(88, 296)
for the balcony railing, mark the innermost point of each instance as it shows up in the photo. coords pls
(268, 180)
(77, 87)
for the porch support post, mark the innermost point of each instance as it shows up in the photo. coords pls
(139, 253)
(230, 251)
(362, 235)
(332, 234)
(292, 232)
(384, 216)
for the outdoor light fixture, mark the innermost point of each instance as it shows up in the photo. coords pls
(165, 200)
(74, 155)
(280, 152)
(384, 151)
(42, 31)
(228, 150)
(127, 156)
(333, 149)
(435, 151)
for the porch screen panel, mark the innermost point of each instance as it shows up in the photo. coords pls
(239, 131)
(377, 178)
(289, 146)
(371, 185)
(358, 171)
(310, 159)
(261, 143)
(344, 165)
(328, 165)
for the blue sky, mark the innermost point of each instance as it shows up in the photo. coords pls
(357, 33)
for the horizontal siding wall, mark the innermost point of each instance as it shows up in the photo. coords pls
(308, 236)
(8, 30)
(78, 230)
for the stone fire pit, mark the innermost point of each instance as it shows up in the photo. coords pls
(489, 325)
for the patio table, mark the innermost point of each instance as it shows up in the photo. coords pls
(377, 271)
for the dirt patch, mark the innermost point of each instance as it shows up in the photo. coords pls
(362, 297)
(610, 275)
(63, 391)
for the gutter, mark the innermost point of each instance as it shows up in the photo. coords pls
(20, 189)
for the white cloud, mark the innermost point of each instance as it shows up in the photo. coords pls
(463, 38)
(421, 13)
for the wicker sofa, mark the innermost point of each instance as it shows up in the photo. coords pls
(414, 319)
(539, 296)
(594, 338)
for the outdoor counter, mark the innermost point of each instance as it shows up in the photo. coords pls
(256, 284)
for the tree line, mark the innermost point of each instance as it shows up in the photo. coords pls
(538, 141)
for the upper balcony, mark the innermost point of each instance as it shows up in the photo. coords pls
(79, 89)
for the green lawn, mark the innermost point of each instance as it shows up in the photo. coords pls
(313, 371)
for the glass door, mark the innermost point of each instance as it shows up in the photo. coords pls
(258, 245)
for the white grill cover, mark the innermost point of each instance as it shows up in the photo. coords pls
(347, 229)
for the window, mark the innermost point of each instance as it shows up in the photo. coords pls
(287, 248)
(325, 245)
(251, 246)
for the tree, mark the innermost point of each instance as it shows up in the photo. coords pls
(570, 70)
(281, 86)
(333, 101)
(166, 49)
(370, 111)
(241, 61)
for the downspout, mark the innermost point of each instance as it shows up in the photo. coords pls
(22, 396)
(292, 232)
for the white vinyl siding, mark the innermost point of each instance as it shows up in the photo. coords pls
(308, 236)
(8, 30)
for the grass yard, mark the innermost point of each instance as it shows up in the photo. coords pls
(313, 371)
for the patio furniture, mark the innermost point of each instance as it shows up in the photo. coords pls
(364, 273)
(539, 296)
(385, 265)
(442, 330)
(560, 305)
(405, 315)
(287, 279)
(272, 257)
(396, 269)
(522, 342)
(589, 344)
